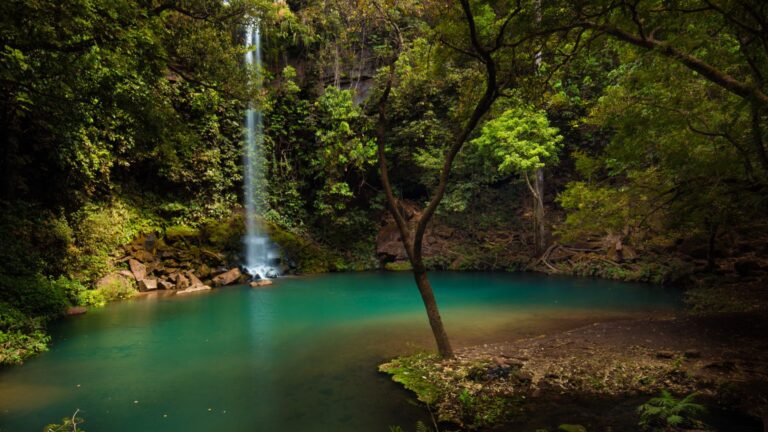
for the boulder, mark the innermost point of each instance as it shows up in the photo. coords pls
(182, 282)
(138, 269)
(204, 271)
(170, 270)
(260, 283)
(148, 284)
(215, 256)
(227, 278)
(194, 288)
(126, 273)
(194, 280)
(388, 244)
(143, 256)
(218, 270)
(165, 285)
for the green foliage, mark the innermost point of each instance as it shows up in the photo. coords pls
(20, 336)
(72, 289)
(34, 295)
(100, 228)
(450, 389)
(398, 266)
(34, 240)
(597, 210)
(92, 298)
(344, 148)
(482, 411)
(181, 232)
(519, 140)
(90, 84)
(16, 346)
(667, 412)
(411, 372)
(116, 289)
(307, 254)
(68, 424)
(420, 427)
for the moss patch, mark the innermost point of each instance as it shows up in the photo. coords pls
(454, 389)
(398, 266)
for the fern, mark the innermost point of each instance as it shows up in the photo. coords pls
(422, 427)
(666, 411)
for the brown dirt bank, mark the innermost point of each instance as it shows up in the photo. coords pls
(599, 373)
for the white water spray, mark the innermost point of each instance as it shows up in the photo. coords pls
(259, 254)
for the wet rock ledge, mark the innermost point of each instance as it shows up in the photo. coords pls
(172, 263)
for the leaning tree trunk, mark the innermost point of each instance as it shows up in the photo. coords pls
(413, 241)
(408, 239)
(433, 313)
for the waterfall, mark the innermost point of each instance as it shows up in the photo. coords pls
(259, 253)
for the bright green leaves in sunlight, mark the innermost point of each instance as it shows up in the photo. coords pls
(519, 140)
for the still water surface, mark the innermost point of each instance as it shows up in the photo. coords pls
(299, 356)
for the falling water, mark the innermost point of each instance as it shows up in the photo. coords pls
(259, 254)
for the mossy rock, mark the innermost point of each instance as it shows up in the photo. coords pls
(181, 232)
(413, 372)
(226, 234)
(309, 256)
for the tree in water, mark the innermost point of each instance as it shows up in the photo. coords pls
(489, 47)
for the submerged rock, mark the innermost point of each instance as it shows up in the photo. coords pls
(76, 310)
(260, 283)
